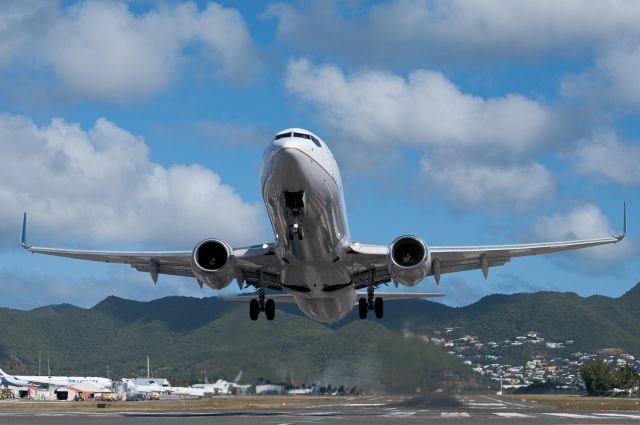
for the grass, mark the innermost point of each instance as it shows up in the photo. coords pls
(563, 402)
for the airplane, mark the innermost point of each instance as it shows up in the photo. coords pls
(152, 387)
(222, 386)
(313, 261)
(51, 381)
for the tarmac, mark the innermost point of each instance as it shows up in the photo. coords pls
(471, 410)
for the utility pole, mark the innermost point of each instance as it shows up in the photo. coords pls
(48, 368)
(39, 362)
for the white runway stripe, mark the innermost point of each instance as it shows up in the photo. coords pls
(572, 415)
(486, 404)
(512, 415)
(619, 415)
(454, 415)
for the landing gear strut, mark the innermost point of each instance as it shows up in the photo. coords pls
(294, 201)
(260, 304)
(377, 304)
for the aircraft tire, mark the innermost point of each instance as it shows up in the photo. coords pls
(378, 307)
(254, 309)
(270, 309)
(363, 308)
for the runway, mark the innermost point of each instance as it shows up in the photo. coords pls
(481, 409)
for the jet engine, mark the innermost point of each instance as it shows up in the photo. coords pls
(213, 262)
(409, 260)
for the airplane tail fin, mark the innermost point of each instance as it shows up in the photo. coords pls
(239, 377)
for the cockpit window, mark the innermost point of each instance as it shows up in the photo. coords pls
(282, 136)
(300, 135)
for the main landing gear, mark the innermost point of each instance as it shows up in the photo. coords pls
(256, 306)
(260, 304)
(377, 305)
(269, 308)
(294, 201)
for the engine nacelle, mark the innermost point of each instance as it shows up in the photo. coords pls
(409, 260)
(213, 263)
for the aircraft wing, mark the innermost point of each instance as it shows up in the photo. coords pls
(177, 263)
(373, 259)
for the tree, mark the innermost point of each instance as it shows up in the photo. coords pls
(598, 376)
(626, 378)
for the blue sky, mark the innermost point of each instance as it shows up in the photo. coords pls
(141, 126)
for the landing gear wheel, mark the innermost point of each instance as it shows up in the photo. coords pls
(363, 308)
(270, 309)
(378, 307)
(291, 232)
(254, 309)
(300, 233)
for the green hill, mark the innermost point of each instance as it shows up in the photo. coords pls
(592, 323)
(186, 336)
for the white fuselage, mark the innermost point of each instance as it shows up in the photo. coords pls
(314, 266)
(55, 381)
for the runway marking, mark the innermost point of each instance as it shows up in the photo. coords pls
(315, 414)
(454, 415)
(399, 415)
(619, 415)
(572, 415)
(512, 415)
(504, 402)
(486, 404)
(363, 404)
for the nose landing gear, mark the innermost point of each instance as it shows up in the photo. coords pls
(294, 201)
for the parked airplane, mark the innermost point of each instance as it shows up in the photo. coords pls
(313, 260)
(51, 381)
(151, 387)
(223, 387)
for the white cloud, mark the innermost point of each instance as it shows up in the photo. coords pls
(103, 50)
(20, 22)
(585, 222)
(605, 156)
(99, 187)
(478, 148)
(381, 108)
(411, 30)
(477, 183)
(613, 78)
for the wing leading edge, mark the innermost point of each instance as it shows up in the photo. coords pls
(176, 263)
(449, 259)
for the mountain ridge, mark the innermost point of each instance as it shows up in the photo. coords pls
(185, 336)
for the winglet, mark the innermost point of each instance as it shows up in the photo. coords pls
(624, 224)
(23, 235)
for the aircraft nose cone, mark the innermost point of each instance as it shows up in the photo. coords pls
(291, 163)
